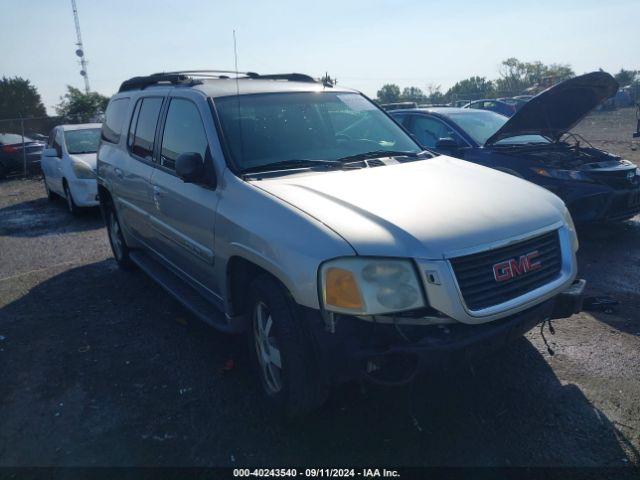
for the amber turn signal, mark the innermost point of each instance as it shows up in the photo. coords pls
(341, 289)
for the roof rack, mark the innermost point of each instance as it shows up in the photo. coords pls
(191, 76)
(292, 77)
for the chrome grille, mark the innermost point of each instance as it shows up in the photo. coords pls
(476, 279)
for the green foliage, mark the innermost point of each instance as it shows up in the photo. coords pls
(516, 76)
(19, 98)
(389, 93)
(413, 94)
(81, 107)
(625, 77)
(471, 88)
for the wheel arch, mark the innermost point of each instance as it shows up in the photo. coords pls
(240, 272)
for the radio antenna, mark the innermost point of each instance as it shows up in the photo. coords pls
(80, 49)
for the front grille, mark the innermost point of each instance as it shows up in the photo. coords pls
(624, 206)
(476, 279)
(615, 178)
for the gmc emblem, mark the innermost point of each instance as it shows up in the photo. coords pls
(512, 268)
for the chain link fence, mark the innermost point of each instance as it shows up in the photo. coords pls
(23, 139)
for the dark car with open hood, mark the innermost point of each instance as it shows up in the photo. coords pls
(536, 143)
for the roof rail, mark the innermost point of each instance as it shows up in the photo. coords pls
(210, 73)
(191, 76)
(292, 77)
(142, 82)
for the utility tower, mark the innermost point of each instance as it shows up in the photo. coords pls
(80, 49)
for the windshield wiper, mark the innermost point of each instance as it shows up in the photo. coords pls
(293, 163)
(380, 154)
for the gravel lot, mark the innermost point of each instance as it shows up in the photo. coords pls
(99, 367)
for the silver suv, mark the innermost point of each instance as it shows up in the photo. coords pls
(302, 215)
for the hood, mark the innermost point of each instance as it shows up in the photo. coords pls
(556, 110)
(425, 209)
(88, 158)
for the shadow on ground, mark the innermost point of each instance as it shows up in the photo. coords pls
(100, 367)
(41, 217)
(609, 258)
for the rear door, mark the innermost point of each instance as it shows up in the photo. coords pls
(133, 187)
(183, 216)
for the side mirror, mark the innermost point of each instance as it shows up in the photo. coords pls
(446, 143)
(190, 167)
(49, 152)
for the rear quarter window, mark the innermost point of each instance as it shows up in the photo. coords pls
(114, 119)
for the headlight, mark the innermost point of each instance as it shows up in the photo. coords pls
(370, 286)
(563, 174)
(82, 170)
(572, 229)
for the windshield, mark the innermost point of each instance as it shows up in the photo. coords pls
(268, 128)
(82, 141)
(481, 124)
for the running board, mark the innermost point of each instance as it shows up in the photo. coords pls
(185, 294)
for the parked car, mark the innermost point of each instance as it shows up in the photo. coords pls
(340, 252)
(69, 165)
(535, 144)
(517, 102)
(14, 152)
(493, 105)
(398, 105)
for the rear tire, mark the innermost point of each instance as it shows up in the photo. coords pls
(282, 351)
(116, 240)
(71, 205)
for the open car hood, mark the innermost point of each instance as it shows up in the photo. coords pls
(555, 111)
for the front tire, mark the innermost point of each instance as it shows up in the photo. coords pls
(282, 351)
(116, 240)
(50, 195)
(71, 205)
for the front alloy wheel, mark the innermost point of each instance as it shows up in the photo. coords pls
(281, 350)
(267, 349)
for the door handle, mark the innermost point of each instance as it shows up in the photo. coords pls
(118, 172)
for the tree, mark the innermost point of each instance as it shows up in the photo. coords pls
(413, 94)
(389, 93)
(471, 88)
(79, 106)
(434, 94)
(516, 76)
(19, 98)
(625, 77)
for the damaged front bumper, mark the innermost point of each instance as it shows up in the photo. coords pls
(394, 354)
(604, 206)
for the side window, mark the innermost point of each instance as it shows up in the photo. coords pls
(50, 138)
(429, 130)
(57, 142)
(183, 132)
(145, 126)
(400, 118)
(114, 118)
(132, 124)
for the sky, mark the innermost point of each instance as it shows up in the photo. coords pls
(362, 43)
